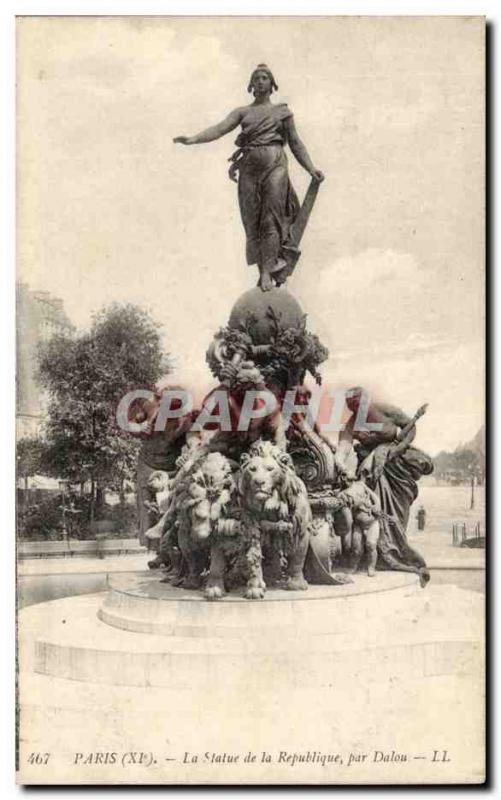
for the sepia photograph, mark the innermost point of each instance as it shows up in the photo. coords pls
(250, 400)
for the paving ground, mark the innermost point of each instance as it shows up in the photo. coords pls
(445, 505)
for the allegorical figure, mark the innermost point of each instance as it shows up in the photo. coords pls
(391, 466)
(268, 202)
(158, 453)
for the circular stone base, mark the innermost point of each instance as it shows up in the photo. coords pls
(166, 637)
(415, 663)
(146, 605)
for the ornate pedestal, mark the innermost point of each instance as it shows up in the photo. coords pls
(297, 671)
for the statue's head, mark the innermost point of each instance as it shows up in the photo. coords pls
(353, 397)
(345, 475)
(158, 481)
(143, 410)
(262, 81)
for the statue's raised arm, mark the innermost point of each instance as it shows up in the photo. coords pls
(214, 132)
(271, 215)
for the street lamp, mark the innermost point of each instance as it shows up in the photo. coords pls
(62, 487)
(472, 500)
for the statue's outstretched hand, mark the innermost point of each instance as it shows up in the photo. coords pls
(182, 140)
(233, 173)
(317, 175)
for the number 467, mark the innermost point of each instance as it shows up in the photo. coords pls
(38, 758)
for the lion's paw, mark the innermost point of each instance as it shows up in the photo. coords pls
(213, 593)
(254, 592)
(341, 578)
(296, 584)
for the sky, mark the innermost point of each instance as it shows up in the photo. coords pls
(390, 109)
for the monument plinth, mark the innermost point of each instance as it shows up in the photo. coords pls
(145, 634)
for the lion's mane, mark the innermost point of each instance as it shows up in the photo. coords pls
(289, 492)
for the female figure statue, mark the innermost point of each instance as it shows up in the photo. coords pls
(391, 466)
(268, 202)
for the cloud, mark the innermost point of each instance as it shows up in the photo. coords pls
(110, 209)
(449, 376)
(382, 117)
(371, 301)
(413, 346)
(371, 267)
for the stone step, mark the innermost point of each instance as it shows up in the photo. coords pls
(145, 605)
(66, 639)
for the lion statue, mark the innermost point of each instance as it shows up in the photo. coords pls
(206, 523)
(276, 518)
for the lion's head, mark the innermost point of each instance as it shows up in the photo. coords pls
(209, 493)
(268, 481)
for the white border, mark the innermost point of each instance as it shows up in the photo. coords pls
(257, 7)
(8, 11)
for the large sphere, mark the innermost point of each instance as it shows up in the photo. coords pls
(257, 302)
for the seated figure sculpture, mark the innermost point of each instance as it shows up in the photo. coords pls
(390, 465)
(157, 455)
(362, 509)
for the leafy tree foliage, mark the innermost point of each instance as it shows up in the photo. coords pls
(29, 457)
(86, 375)
(460, 465)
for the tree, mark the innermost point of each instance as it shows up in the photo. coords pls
(460, 465)
(466, 461)
(29, 458)
(86, 375)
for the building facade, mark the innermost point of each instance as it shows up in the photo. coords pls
(39, 316)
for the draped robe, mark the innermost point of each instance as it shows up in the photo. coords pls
(267, 200)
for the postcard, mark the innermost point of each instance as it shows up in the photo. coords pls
(250, 400)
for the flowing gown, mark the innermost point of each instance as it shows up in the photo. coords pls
(397, 489)
(267, 200)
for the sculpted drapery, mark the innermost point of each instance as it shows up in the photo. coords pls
(268, 203)
(267, 200)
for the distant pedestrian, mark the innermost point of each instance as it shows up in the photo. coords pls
(421, 518)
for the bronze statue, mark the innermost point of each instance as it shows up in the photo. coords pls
(276, 518)
(391, 467)
(268, 203)
(362, 513)
(237, 523)
(208, 535)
